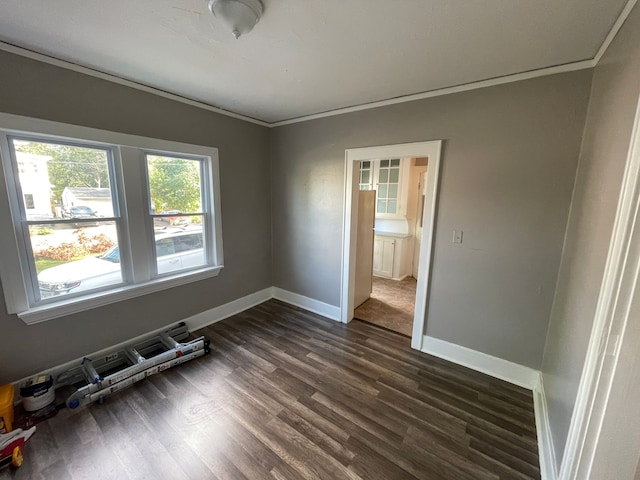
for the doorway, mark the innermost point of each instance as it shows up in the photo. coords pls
(389, 233)
(353, 158)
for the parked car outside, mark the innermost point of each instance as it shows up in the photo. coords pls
(178, 220)
(179, 250)
(79, 212)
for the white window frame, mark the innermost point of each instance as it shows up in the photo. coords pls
(136, 230)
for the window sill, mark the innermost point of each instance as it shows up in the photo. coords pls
(80, 304)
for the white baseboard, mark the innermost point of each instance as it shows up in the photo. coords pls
(510, 372)
(496, 367)
(208, 317)
(330, 311)
(546, 452)
(195, 322)
(227, 310)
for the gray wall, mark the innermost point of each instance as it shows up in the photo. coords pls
(38, 90)
(614, 96)
(507, 175)
(618, 448)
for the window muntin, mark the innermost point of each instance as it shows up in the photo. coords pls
(133, 257)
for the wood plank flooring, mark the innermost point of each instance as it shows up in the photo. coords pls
(286, 394)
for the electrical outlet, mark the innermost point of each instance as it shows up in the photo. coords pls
(457, 236)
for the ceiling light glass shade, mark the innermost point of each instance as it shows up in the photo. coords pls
(240, 16)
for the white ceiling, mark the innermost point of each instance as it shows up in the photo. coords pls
(310, 56)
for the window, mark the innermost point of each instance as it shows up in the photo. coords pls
(175, 185)
(388, 183)
(83, 235)
(385, 177)
(28, 201)
(366, 175)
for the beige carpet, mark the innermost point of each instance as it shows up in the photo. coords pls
(391, 304)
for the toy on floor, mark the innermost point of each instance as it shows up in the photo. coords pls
(11, 446)
(11, 441)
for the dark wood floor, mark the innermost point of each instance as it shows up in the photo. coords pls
(286, 394)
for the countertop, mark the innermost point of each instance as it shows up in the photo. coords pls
(391, 234)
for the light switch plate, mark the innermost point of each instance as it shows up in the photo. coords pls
(457, 236)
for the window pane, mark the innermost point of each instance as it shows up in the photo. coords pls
(382, 206)
(395, 162)
(384, 175)
(29, 204)
(394, 175)
(366, 165)
(391, 206)
(393, 191)
(71, 260)
(382, 191)
(365, 176)
(179, 249)
(384, 163)
(63, 181)
(174, 185)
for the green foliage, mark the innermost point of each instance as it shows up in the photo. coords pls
(40, 231)
(44, 263)
(174, 184)
(70, 166)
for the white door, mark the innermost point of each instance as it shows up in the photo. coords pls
(364, 246)
(422, 193)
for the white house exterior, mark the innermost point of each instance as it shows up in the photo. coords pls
(35, 185)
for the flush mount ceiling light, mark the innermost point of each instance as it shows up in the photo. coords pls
(240, 16)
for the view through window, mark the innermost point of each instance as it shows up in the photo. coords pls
(70, 215)
(175, 190)
(74, 235)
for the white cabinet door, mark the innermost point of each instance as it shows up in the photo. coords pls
(383, 256)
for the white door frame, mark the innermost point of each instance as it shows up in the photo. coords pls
(432, 150)
(611, 318)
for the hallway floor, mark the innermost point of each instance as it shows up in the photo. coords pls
(391, 305)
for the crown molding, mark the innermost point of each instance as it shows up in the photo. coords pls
(614, 30)
(41, 57)
(568, 67)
